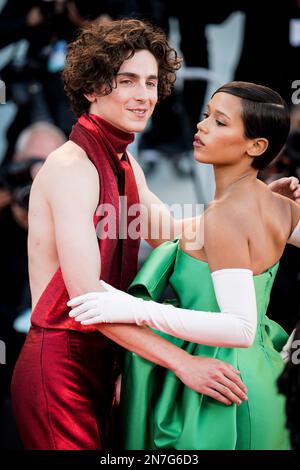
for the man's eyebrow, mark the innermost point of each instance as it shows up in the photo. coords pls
(219, 112)
(135, 75)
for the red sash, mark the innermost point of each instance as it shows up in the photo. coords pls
(102, 142)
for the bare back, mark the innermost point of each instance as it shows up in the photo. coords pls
(262, 220)
(42, 253)
(42, 245)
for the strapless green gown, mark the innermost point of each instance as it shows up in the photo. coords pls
(160, 412)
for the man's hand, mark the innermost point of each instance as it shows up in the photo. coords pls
(288, 187)
(209, 376)
(214, 378)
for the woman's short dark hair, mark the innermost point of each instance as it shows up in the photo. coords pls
(265, 114)
(97, 54)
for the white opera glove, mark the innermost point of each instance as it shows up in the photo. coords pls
(110, 288)
(234, 326)
(112, 306)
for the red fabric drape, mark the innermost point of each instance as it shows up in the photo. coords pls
(102, 142)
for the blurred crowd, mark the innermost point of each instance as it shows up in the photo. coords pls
(270, 54)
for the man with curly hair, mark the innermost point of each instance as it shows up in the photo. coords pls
(63, 384)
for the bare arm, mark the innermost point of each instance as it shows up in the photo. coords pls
(158, 225)
(72, 194)
(73, 197)
(209, 376)
(234, 326)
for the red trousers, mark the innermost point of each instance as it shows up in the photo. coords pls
(63, 389)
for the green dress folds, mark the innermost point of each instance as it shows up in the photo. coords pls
(160, 412)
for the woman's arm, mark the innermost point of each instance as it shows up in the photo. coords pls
(234, 326)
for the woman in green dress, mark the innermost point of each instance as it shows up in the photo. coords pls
(222, 269)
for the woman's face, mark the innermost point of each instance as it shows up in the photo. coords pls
(134, 96)
(220, 138)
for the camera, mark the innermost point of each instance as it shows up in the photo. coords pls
(16, 178)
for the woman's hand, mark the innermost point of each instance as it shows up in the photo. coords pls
(112, 306)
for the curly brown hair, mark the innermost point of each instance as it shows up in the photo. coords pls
(97, 54)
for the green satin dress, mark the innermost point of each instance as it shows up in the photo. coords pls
(160, 412)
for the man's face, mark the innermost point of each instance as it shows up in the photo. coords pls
(132, 101)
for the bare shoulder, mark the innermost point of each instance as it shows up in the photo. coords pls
(70, 156)
(70, 168)
(67, 179)
(227, 213)
(221, 220)
(225, 238)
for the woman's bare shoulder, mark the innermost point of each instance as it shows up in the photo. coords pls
(225, 238)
